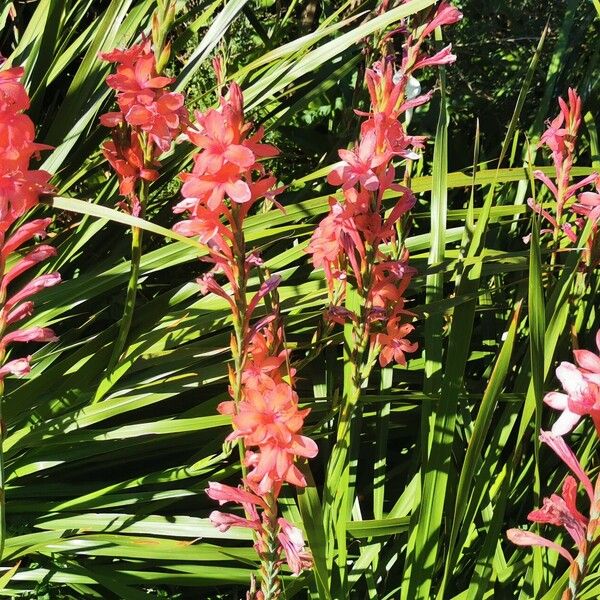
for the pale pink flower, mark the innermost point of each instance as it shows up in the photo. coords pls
(560, 448)
(18, 367)
(520, 537)
(582, 387)
(223, 521)
(292, 542)
(33, 334)
(357, 165)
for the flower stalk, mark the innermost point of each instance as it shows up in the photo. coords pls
(226, 181)
(21, 190)
(148, 121)
(358, 243)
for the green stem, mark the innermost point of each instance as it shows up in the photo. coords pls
(111, 376)
(126, 319)
(338, 497)
(271, 583)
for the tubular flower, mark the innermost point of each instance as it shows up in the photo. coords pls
(143, 102)
(227, 178)
(20, 189)
(348, 243)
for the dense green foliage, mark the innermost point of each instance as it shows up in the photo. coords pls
(105, 500)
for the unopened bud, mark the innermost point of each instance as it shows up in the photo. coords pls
(163, 59)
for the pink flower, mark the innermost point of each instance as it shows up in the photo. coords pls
(20, 190)
(268, 413)
(394, 343)
(446, 14)
(211, 189)
(223, 521)
(528, 538)
(24, 310)
(225, 493)
(19, 367)
(26, 232)
(127, 159)
(13, 96)
(562, 511)
(443, 57)
(358, 165)
(33, 334)
(292, 542)
(582, 387)
(33, 287)
(129, 56)
(589, 363)
(37, 255)
(560, 448)
(220, 139)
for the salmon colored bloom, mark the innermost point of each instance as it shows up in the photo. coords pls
(357, 166)
(226, 180)
(128, 162)
(148, 121)
(348, 242)
(227, 165)
(562, 510)
(394, 344)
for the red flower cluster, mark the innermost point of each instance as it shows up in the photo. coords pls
(561, 139)
(148, 121)
(226, 180)
(350, 240)
(20, 189)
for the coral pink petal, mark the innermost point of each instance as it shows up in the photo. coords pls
(559, 446)
(557, 400)
(238, 191)
(528, 538)
(587, 360)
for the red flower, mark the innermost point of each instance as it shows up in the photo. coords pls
(129, 163)
(394, 344)
(13, 96)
